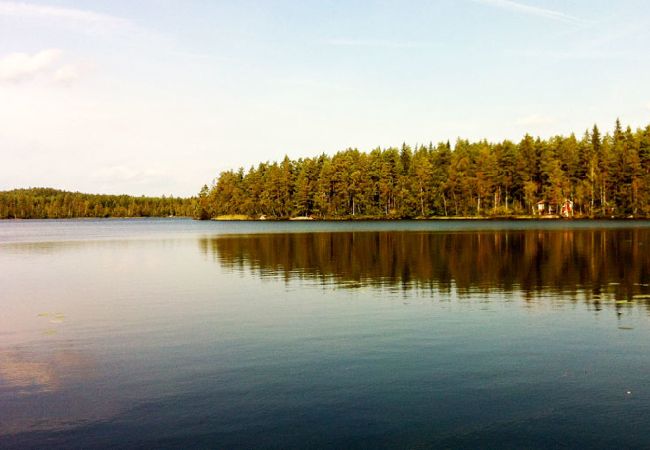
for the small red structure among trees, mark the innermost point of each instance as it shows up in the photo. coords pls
(567, 208)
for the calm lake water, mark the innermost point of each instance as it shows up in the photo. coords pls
(177, 333)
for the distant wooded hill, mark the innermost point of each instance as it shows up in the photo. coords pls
(602, 175)
(47, 203)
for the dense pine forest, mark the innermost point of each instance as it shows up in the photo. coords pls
(602, 175)
(46, 203)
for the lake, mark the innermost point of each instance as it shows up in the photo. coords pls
(157, 333)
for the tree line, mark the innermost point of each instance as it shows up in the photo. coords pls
(47, 203)
(603, 175)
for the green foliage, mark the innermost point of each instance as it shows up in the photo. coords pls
(603, 175)
(47, 203)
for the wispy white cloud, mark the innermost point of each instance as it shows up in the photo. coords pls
(83, 21)
(522, 8)
(67, 74)
(535, 120)
(17, 67)
(581, 53)
(344, 42)
(22, 9)
(46, 65)
(129, 176)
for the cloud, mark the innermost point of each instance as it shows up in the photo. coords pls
(580, 54)
(17, 67)
(44, 65)
(535, 120)
(522, 8)
(377, 43)
(126, 174)
(66, 74)
(80, 21)
(26, 10)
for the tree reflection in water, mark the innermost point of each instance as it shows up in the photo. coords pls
(598, 266)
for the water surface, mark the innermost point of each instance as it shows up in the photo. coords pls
(461, 334)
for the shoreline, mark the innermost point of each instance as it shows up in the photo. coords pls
(433, 219)
(547, 218)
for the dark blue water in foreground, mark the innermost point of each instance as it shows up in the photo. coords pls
(176, 333)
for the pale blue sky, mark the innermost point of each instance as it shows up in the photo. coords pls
(159, 96)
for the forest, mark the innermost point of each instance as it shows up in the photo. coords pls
(602, 175)
(47, 203)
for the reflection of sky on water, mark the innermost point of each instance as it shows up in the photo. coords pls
(47, 385)
(27, 372)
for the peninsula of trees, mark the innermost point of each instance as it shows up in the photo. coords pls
(47, 203)
(602, 175)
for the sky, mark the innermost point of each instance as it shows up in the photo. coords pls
(158, 97)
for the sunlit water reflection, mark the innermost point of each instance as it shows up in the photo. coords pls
(154, 333)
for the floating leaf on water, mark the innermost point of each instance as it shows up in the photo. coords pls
(640, 296)
(613, 284)
(618, 302)
(57, 318)
(626, 328)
